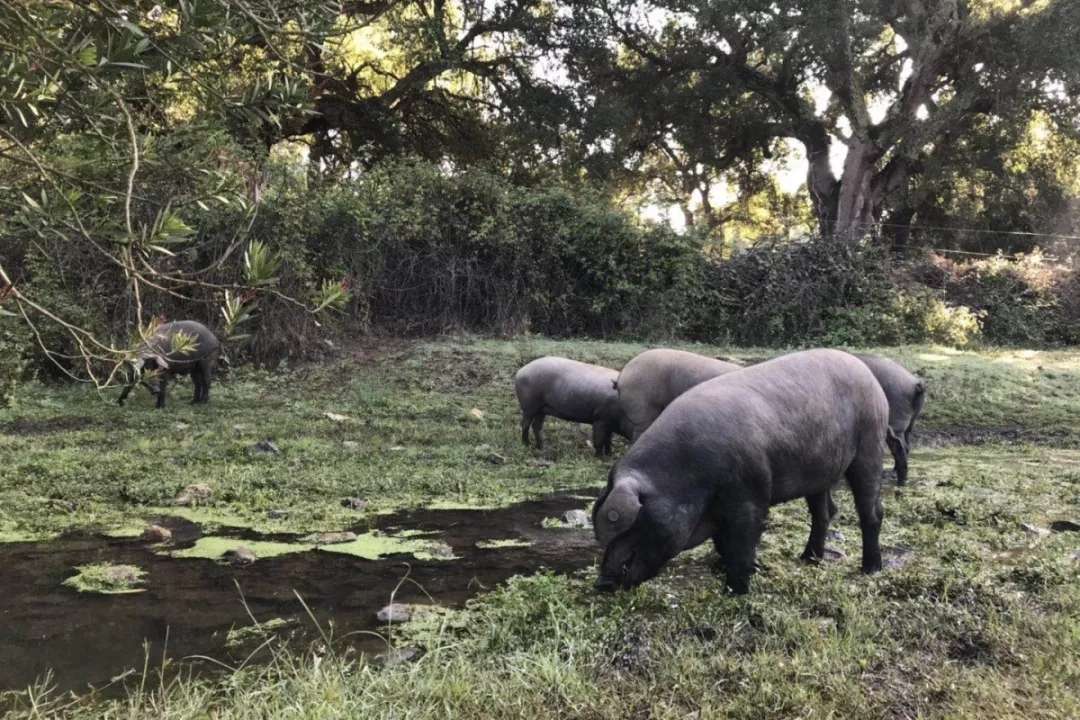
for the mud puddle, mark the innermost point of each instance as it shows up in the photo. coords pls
(190, 604)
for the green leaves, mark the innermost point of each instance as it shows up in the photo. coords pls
(332, 294)
(261, 264)
(236, 310)
(169, 229)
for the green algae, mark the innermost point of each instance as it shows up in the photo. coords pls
(246, 635)
(212, 547)
(107, 579)
(462, 505)
(504, 543)
(375, 545)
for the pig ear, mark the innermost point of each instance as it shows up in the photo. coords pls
(616, 513)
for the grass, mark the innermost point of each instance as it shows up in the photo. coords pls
(983, 619)
(107, 579)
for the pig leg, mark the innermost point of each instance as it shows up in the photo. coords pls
(865, 480)
(197, 380)
(163, 385)
(208, 373)
(896, 447)
(740, 531)
(601, 438)
(538, 431)
(126, 391)
(819, 525)
(526, 420)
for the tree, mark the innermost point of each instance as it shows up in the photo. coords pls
(903, 80)
(114, 142)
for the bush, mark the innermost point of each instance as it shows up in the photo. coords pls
(426, 250)
(15, 342)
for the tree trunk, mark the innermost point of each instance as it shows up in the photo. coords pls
(820, 181)
(860, 201)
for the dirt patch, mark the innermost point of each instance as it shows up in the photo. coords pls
(67, 423)
(946, 437)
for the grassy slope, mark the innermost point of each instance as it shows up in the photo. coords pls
(982, 622)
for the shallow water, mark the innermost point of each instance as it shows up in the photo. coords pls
(190, 604)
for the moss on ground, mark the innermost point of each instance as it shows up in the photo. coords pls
(213, 547)
(107, 579)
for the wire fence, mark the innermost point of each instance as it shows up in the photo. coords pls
(962, 242)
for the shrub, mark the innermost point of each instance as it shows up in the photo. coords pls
(15, 343)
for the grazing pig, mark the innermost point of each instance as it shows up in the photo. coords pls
(726, 450)
(652, 379)
(569, 390)
(184, 347)
(905, 393)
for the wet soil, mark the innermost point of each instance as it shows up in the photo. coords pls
(945, 437)
(190, 604)
(67, 423)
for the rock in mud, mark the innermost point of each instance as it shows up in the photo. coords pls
(398, 656)
(1064, 526)
(577, 519)
(329, 538)
(354, 503)
(265, 447)
(1034, 530)
(239, 556)
(156, 534)
(196, 494)
(395, 613)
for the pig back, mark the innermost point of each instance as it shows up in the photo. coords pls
(797, 421)
(204, 343)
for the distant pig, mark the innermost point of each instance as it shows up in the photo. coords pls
(184, 347)
(569, 390)
(652, 379)
(905, 393)
(726, 450)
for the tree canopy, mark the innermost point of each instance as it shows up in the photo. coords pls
(128, 127)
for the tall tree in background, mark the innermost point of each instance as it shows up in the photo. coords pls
(898, 83)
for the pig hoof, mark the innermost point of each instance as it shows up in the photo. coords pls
(738, 586)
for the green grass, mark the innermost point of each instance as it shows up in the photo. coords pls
(983, 620)
(107, 579)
